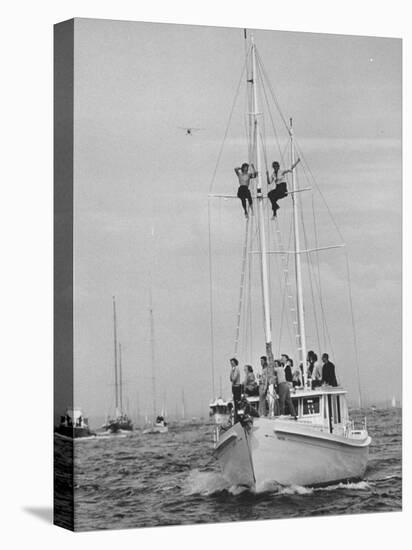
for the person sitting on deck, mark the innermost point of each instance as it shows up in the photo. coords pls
(328, 371)
(243, 192)
(248, 410)
(297, 376)
(250, 386)
(283, 390)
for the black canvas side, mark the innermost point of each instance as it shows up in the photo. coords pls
(63, 266)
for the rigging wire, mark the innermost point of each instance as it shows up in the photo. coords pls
(272, 92)
(212, 181)
(355, 342)
(242, 284)
(260, 64)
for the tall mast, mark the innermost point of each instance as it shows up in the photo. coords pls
(183, 404)
(120, 379)
(260, 215)
(116, 391)
(152, 349)
(298, 267)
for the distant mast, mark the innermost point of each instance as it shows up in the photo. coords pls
(183, 405)
(256, 139)
(120, 379)
(116, 390)
(152, 348)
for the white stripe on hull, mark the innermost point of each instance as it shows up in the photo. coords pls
(289, 453)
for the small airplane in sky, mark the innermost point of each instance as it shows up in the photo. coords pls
(189, 131)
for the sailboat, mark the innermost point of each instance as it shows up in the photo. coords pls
(321, 444)
(120, 421)
(159, 425)
(393, 402)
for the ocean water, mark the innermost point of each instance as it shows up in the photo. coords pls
(168, 479)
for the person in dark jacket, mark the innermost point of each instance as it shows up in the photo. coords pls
(288, 366)
(328, 371)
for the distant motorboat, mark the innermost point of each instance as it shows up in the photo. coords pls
(74, 425)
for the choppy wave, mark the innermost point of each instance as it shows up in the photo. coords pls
(143, 480)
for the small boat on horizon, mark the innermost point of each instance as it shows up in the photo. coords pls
(74, 425)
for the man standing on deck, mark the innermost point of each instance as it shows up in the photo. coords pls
(244, 177)
(236, 387)
(287, 366)
(283, 390)
(263, 386)
(328, 371)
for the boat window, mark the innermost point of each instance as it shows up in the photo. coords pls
(311, 405)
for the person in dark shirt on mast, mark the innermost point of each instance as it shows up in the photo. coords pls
(328, 371)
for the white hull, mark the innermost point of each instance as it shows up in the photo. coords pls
(286, 452)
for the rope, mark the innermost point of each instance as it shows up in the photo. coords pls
(285, 291)
(211, 319)
(212, 181)
(272, 92)
(242, 284)
(355, 340)
(347, 270)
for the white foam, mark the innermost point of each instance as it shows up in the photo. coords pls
(204, 483)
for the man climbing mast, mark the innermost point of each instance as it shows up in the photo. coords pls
(277, 187)
(243, 192)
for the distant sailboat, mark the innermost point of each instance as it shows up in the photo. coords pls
(159, 422)
(393, 402)
(120, 421)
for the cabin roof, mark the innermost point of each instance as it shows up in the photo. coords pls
(322, 390)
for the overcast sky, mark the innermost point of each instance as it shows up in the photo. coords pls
(135, 85)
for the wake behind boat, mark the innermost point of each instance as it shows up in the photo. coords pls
(318, 443)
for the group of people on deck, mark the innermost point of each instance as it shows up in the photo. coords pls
(275, 381)
(276, 185)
